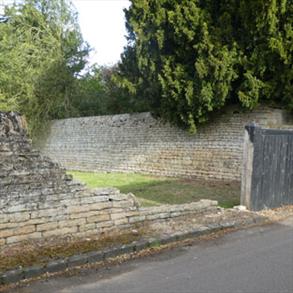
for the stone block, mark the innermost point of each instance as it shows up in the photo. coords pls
(99, 217)
(95, 256)
(133, 213)
(17, 231)
(87, 227)
(116, 251)
(6, 233)
(12, 276)
(158, 216)
(104, 224)
(93, 199)
(34, 271)
(119, 222)
(89, 207)
(77, 260)
(17, 217)
(118, 216)
(118, 197)
(19, 238)
(78, 209)
(47, 213)
(47, 226)
(127, 248)
(136, 219)
(140, 245)
(82, 215)
(59, 232)
(100, 206)
(17, 208)
(56, 266)
(122, 204)
(69, 202)
(71, 223)
(176, 214)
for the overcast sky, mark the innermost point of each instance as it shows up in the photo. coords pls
(102, 24)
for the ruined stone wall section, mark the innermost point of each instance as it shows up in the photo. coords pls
(140, 143)
(38, 200)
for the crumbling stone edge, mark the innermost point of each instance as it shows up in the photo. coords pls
(59, 265)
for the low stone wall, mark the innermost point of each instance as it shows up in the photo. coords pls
(83, 214)
(140, 143)
(38, 200)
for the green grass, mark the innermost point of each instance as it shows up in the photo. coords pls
(152, 190)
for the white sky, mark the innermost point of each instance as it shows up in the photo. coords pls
(102, 24)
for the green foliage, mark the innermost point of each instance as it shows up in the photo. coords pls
(41, 61)
(42, 53)
(184, 60)
(89, 95)
(98, 92)
(188, 58)
(117, 98)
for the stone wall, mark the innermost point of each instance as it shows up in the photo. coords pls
(140, 143)
(38, 200)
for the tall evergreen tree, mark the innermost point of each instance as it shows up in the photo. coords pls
(195, 56)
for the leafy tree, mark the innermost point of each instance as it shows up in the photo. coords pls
(193, 57)
(42, 53)
(89, 95)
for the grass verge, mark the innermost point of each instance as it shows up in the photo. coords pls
(30, 254)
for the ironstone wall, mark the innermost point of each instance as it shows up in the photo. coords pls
(267, 180)
(140, 143)
(38, 200)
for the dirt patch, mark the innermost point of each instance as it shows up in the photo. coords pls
(277, 214)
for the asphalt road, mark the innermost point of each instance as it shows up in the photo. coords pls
(257, 260)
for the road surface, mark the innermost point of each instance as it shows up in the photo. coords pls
(256, 260)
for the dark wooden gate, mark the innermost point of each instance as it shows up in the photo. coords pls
(268, 168)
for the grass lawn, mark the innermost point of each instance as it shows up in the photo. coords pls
(151, 190)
